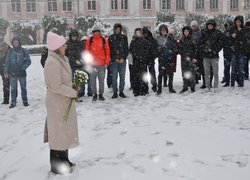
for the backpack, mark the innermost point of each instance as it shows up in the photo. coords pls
(103, 42)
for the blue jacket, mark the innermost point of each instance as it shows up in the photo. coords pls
(16, 62)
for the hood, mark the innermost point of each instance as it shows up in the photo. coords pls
(16, 38)
(211, 21)
(163, 26)
(145, 30)
(73, 33)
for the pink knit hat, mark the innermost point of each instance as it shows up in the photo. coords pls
(54, 41)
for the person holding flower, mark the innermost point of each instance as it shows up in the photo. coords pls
(61, 135)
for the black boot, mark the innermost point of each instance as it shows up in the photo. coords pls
(121, 94)
(183, 90)
(5, 101)
(159, 91)
(172, 90)
(94, 97)
(101, 98)
(115, 95)
(58, 162)
(66, 155)
(226, 85)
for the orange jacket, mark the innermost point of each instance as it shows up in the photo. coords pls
(101, 54)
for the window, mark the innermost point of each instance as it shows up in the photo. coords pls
(16, 5)
(247, 4)
(67, 5)
(199, 4)
(114, 4)
(30, 6)
(92, 5)
(124, 4)
(180, 5)
(213, 4)
(146, 4)
(234, 4)
(52, 5)
(166, 4)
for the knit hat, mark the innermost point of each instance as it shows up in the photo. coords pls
(194, 23)
(54, 41)
(96, 27)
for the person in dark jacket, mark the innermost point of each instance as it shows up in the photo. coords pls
(4, 48)
(211, 44)
(118, 44)
(227, 52)
(187, 51)
(238, 48)
(152, 46)
(200, 74)
(247, 29)
(166, 49)
(139, 51)
(45, 50)
(73, 53)
(16, 63)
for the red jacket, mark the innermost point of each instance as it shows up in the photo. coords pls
(101, 54)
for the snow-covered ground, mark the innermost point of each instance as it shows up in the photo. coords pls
(200, 136)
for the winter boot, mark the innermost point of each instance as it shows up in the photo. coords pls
(226, 85)
(101, 98)
(66, 155)
(25, 103)
(159, 91)
(5, 102)
(12, 105)
(58, 162)
(154, 88)
(121, 94)
(183, 90)
(94, 97)
(115, 95)
(172, 90)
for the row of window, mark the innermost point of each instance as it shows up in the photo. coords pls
(234, 4)
(52, 5)
(165, 5)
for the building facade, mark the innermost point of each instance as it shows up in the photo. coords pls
(131, 13)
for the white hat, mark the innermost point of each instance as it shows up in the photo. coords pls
(194, 23)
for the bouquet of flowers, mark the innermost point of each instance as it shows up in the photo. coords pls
(80, 79)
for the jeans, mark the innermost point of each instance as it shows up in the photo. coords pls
(237, 63)
(151, 69)
(98, 73)
(208, 62)
(13, 85)
(121, 70)
(227, 65)
(109, 76)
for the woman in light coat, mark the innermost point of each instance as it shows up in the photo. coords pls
(60, 134)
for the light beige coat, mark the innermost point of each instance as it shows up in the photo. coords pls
(59, 134)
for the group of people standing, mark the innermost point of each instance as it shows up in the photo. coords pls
(199, 51)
